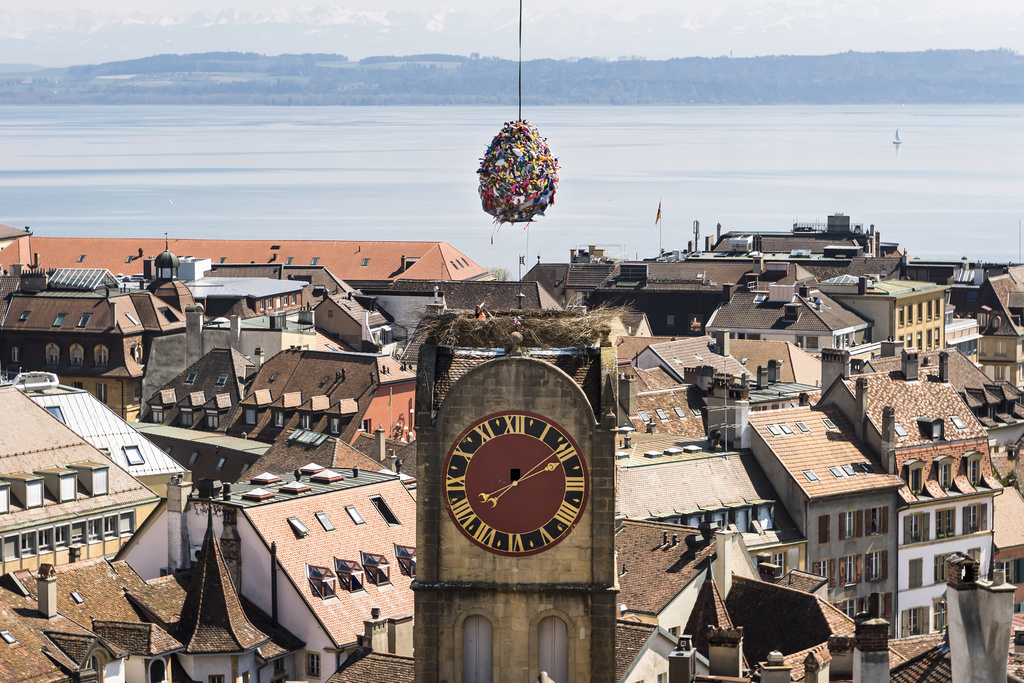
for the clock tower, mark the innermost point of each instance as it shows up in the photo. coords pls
(515, 515)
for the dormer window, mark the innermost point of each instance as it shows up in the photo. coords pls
(377, 568)
(5, 499)
(945, 475)
(974, 468)
(916, 478)
(278, 418)
(322, 581)
(93, 476)
(350, 574)
(185, 417)
(931, 428)
(406, 555)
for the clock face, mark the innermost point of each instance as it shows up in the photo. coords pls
(515, 483)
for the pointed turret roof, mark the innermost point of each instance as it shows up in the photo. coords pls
(212, 620)
(708, 610)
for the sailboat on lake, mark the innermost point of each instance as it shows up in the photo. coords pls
(897, 141)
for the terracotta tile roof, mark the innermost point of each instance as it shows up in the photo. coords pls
(798, 366)
(220, 374)
(630, 639)
(289, 454)
(31, 439)
(708, 610)
(148, 640)
(652, 573)
(931, 666)
(661, 406)
(99, 582)
(343, 617)
(466, 295)
(212, 619)
(628, 348)
(801, 581)
(692, 352)
(375, 667)
(821, 448)
(1008, 511)
(745, 312)
(775, 617)
(435, 260)
(903, 649)
(587, 276)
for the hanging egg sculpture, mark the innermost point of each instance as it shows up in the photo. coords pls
(518, 175)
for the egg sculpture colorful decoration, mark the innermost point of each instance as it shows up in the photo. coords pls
(518, 175)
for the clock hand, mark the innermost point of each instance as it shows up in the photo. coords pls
(493, 497)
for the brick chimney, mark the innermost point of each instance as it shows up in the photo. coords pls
(842, 649)
(46, 590)
(375, 635)
(400, 635)
(908, 362)
(980, 615)
(835, 363)
(943, 366)
(628, 390)
(725, 651)
(775, 670)
(682, 662)
(861, 421)
(871, 651)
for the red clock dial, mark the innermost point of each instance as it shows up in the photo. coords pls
(515, 483)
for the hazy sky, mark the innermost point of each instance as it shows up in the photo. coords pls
(86, 31)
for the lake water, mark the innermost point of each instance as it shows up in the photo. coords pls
(954, 187)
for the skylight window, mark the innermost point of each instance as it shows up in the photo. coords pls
(900, 431)
(59, 320)
(8, 637)
(786, 429)
(643, 415)
(84, 320)
(377, 568)
(288, 261)
(81, 258)
(698, 356)
(24, 316)
(191, 377)
(385, 511)
(300, 529)
(829, 424)
(849, 470)
(661, 414)
(56, 412)
(131, 318)
(322, 580)
(864, 467)
(354, 514)
(837, 472)
(223, 379)
(775, 430)
(406, 555)
(679, 413)
(134, 455)
(351, 574)
(802, 426)
(957, 422)
(366, 262)
(316, 260)
(77, 597)
(811, 476)
(324, 522)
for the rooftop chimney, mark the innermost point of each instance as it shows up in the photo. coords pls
(773, 371)
(722, 342)
(46, 589)
(177, 524)
(727, 291)
(871, 651)
(980, 614)
(379, 445)
(375, 635)
(791, 312)
(909, 364)
(722, 564)
(775, 670)
(862, 285)
(400, 635)
(943, 366)
(889, 347)
(817, 664)
(682, 662)
(725, 651)
(888, 444)
(762, 377)
(835, 363)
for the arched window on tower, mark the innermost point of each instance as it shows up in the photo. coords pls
(551, 648)
(158, 671)
(476, 649)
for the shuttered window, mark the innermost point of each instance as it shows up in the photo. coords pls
(477, 644)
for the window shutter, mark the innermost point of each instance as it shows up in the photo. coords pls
(884, 569)
(967, 519)
(983, 517)
(817, 569)
(823, 528)
(858, 523)
(831, 573)
(937, 567)
(905, 623)
(888, 606)
(906, 529)
(925, 523)
(859, 562)
(885, 519)
(842, 572)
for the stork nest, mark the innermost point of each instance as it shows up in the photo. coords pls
(538, 328)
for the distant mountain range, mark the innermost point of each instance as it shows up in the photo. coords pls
(940, 76)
